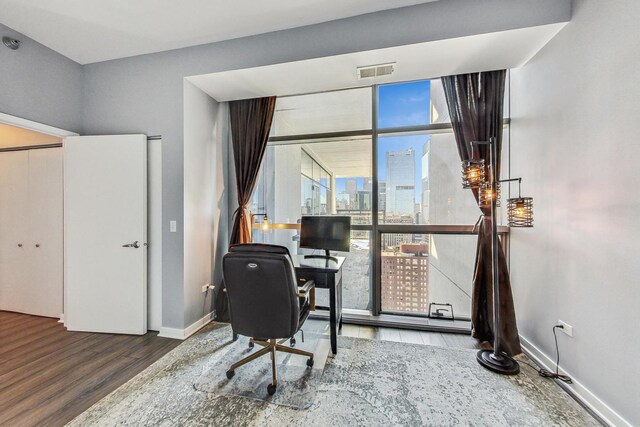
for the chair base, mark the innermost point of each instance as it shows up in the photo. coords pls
(270, 347)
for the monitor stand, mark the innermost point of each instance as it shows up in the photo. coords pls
(326, 256)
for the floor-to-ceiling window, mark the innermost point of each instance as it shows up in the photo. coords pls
(386, 156)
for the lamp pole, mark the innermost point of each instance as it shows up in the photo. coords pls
(495, 360)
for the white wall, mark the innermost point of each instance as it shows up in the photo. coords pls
(201, 169)
(11, 136)
(575, 109)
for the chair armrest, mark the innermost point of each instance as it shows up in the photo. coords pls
(309, 288)
(304, 289)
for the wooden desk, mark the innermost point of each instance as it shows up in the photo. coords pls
(327, 274)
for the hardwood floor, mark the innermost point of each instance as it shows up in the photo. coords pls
(48, 376)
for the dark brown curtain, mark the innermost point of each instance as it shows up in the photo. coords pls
(475, 104)
(250, 125)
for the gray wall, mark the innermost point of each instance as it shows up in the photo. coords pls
(39, 84)
(574, 141)
(144, 93)
(200, 113)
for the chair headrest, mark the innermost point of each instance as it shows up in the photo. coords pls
(259, 247)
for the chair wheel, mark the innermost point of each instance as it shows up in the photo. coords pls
(271, 389)
(251, 344)
(310, 362)
(230, 373)
(292, 342)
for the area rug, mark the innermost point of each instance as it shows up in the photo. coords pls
(372, 383)
(297, 383)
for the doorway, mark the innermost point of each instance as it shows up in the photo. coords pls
(20, 141)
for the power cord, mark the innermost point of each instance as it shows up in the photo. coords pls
(554, 375)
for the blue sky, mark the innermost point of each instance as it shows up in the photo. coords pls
(402, 104)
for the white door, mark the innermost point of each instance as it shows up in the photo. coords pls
(14, 231)
(31, 231)
(105, 232)
(43, 290)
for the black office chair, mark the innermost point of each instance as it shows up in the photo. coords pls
(265, 303)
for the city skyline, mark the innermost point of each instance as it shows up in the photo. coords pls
(392, 144)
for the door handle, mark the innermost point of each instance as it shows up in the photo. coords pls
(135, 244)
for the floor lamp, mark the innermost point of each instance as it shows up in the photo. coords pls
(519, 213)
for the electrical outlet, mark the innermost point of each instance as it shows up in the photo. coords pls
(566, 328)
(205, 288)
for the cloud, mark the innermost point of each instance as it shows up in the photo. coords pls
(415, 118)
(415, 98)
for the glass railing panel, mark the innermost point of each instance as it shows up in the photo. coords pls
(420, 269)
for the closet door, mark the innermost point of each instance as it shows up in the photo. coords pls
(45, 246)
(14, 229)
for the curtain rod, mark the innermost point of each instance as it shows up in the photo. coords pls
(57, 145)
(31, 147)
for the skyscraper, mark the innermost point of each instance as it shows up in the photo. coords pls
(405, 278)
(400, 182)
(424, 217)
(382, 197)
(363, 200)
(351, 188)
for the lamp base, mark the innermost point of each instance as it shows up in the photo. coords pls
(498, 363)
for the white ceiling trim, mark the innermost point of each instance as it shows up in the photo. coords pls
(34, 126)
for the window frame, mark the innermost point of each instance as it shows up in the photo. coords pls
(377, 229)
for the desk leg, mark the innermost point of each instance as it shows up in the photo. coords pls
(333, 319)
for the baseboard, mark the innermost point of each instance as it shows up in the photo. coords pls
(61, 319)
(578, 391)
(183, 334)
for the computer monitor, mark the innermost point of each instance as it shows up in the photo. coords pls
(330, 233)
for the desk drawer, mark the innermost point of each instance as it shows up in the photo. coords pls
(321, 279)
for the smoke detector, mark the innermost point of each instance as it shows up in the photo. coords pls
(12, 44)
(370, 71)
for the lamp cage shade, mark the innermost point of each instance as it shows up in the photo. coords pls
(520, 212)
(485, 194)
(473, 173)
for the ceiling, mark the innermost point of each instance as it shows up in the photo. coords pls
(343, 159)
(482, 52)
(97, 30)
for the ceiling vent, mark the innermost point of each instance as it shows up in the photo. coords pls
(371, 71)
